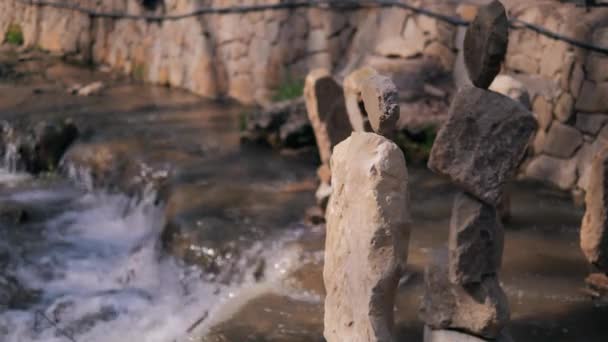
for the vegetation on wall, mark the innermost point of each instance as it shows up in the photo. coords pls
(290, 89)
(416, 145)
(14, 35)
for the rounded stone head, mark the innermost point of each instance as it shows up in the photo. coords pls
(381, 101)
(485, 44)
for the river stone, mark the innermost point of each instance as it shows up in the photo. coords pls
(485, 44)
(354, 104)
(480, 309)
(482, 142)
(476, 240)
(367, 238)
(594, 229)
(326, 111)
(381, 101)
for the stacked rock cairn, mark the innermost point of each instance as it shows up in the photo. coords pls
(479, 149)
(367, 223)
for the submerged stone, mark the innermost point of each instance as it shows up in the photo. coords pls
(482, 143)
(367, 238)
(485, 44)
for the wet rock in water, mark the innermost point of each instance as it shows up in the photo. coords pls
(431, 335)
(367, 238)
(479, 309)
(509, 86)
(485, 44)
(91, 89)
(41, 148)
(283, 124)
(594, 229)
(476, 241)
(354, 104)
(381, 101)
(326, 111)
(12, 213)
(482, 143)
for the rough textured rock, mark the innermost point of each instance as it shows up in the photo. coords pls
(431, 335)
(381, 101)
(559, 172)
(326, 111)
(509, 86)
(354, 104)
(482, 143)
(594, 229)
(479, 309)
(476, 241)
(485, 44)
(367, 238)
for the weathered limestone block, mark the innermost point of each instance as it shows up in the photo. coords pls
(480, 309)
(485, 44)
(326, 111)
(431, 335)
(381, 101)
(482, 143)
(476, 241)
(562, 140)
(594, 229)
(354, 104)
(509, 86)
(367, 238)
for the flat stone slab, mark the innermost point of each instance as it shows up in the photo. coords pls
(594, 229)
(483, 142)
(485, 44)
(476, 240)
(367, 238)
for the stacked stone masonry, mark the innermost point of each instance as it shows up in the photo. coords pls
(247, 56)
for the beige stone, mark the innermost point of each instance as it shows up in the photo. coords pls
(562, 140)
(326, 111)
(509, 86)
(523, 63)
(414, 36)
(354, 104)
(367, 238)
(445, 56)
(594, 229)
(590, 123)
(559, 172)
(593, 97)
(396, 46)
(542, 112)
(563, 108)
(576, 79)
(440, 335)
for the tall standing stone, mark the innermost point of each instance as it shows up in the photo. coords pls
(485, 44)
(482, 142)
(354, 103)
(367, 238)
(381, 100)
(326, 111)
(594, 230)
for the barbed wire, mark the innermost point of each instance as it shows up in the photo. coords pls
(322, 4)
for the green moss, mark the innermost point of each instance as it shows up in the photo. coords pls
(289, 90)
(14, 35)
(139, 71)
(417, 146)
(243, 118)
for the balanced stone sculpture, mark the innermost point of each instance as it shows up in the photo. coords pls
(367, 235)
(479, 149)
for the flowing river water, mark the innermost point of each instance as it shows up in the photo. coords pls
(94, 262)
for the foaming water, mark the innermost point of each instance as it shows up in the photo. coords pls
(102, 275)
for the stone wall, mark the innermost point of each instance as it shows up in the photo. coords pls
(243, 56)
(568, 88)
